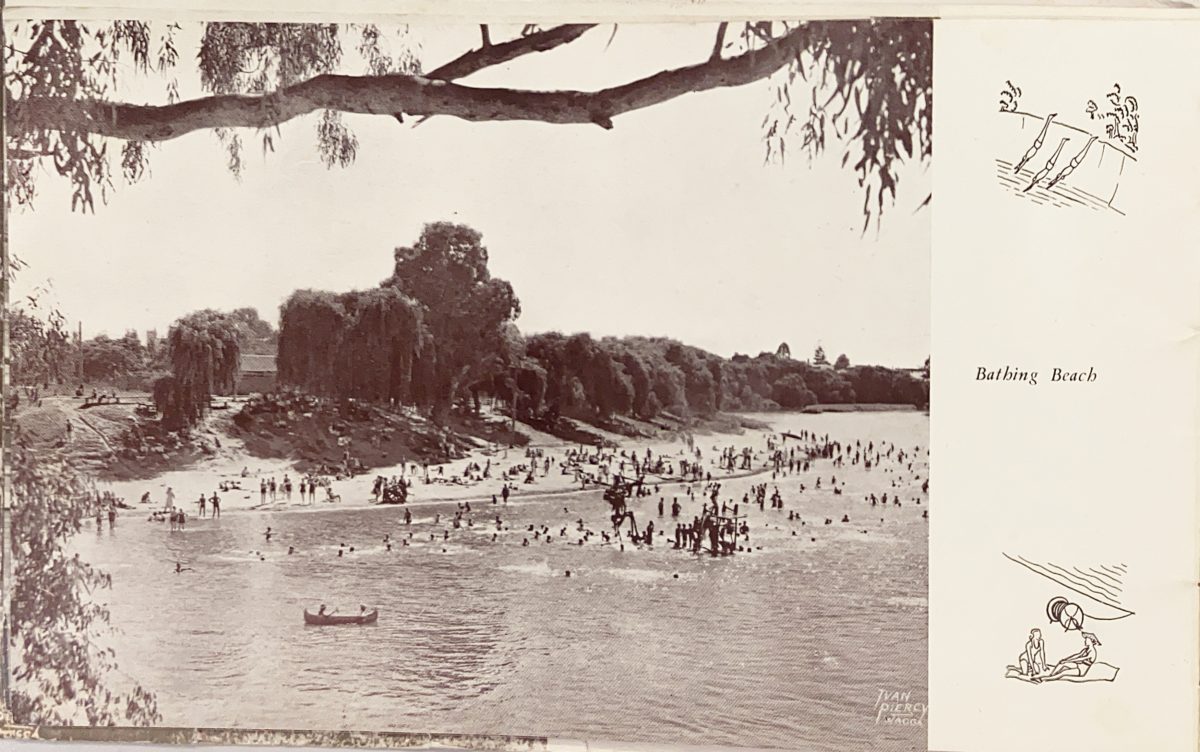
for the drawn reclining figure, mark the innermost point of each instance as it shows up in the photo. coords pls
(1080, 666)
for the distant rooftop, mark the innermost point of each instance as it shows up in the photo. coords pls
(258, 364)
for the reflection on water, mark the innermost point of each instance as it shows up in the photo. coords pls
(786, 647)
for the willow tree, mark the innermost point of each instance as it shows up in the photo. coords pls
(465, 309)
(311, 325)
(864, 85)
(205, 355)
(360, 344)
(387, 334)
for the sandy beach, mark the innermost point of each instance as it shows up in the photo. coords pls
(438, 491)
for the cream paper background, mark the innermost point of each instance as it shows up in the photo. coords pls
(1073, 474)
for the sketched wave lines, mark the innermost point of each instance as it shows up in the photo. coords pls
(1103, 583)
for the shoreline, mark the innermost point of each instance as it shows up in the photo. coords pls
(356, 492)
(480, 502)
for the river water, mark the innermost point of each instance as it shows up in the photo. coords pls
(788, 646)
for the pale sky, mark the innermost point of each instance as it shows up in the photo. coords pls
(670, 224)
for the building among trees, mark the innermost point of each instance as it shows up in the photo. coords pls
(257, 374)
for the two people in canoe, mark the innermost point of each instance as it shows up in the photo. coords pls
(324, 616)
(362, 611)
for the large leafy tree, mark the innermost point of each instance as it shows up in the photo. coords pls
(865, 85)
(39, 350)
(465, 309)
(255, 335)
(104, 358)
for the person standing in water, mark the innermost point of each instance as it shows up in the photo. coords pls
(216, 505)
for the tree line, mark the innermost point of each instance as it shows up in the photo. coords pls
(647, 377)
(439, 334)
(45, 352)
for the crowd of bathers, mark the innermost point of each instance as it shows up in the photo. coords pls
(694, 511)
(717, 526)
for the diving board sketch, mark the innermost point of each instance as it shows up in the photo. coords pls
(1033, 151)
(1101, 590)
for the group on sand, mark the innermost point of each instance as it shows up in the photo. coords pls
(175, 515)
(104, 506)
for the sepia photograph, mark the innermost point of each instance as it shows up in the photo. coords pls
(566, 381)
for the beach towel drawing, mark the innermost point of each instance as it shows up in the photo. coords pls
(1100, 585)
(1073, 160)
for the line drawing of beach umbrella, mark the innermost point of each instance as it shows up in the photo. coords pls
(1037, 143)
(1049, 165)
(1075, 162)
(1061, 611)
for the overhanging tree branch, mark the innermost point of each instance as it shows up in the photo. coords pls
(716, 53)
(415, 95)
(494, 54)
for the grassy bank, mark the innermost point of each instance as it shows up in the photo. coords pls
(112, 442)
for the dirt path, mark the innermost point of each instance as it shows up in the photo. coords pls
(98, 432)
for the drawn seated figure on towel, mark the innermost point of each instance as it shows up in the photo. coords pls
(1076, 664)
(1032, 662)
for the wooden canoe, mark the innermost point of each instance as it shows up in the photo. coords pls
(330, 619)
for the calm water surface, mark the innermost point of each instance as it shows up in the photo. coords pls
(786, 647)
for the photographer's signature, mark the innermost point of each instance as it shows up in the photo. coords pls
(895, 708)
